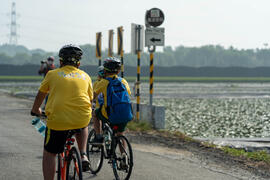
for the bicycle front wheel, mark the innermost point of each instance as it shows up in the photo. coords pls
(123, 159)
(94, 153)
(74, 165)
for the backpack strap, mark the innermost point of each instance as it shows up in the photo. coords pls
(109, 79)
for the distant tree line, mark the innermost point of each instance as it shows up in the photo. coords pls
(205, 56)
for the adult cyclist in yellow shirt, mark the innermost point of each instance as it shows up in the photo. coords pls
(68, 107)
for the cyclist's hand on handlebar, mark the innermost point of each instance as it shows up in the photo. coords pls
(38, 113)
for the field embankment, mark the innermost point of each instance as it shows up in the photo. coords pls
(175, 71)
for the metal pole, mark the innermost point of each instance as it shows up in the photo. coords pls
(99, 62)
(138, 86)
(151, 81)
(122, 64)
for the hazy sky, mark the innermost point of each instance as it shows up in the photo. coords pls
(52, 23)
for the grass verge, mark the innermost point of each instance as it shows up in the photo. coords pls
(21, 78)
(139, 126)
(257, 155)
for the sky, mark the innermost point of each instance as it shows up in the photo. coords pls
(50, 24)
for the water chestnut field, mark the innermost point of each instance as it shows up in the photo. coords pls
(198, 109)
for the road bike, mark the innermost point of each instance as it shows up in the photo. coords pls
(116, 149)
(69, 165)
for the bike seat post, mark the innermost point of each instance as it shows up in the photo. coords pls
(70, 139)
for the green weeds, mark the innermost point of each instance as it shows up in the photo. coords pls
(139, 126)
(257, 155)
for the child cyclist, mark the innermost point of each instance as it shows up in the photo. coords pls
(99, 99)
(112, 67)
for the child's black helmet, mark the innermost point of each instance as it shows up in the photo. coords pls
(70, 53)
(112, 64)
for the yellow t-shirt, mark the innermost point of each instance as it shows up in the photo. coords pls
(101, 87)
(94, 86)
(70, 94)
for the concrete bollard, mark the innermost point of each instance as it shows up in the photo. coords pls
(158, 121)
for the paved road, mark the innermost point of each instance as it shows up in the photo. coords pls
(21, 150)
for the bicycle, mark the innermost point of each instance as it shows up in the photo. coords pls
(69, 166)
(116, 149)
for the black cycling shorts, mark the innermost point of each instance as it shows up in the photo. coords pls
(54, 141)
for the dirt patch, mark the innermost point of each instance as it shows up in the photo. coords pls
(209, 156)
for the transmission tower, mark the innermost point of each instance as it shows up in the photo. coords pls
(13, 26)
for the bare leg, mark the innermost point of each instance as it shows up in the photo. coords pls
(97, 123)
(48, 164)
(82, 141)
(123, 142)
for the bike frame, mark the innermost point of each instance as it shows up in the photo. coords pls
(64, 158)
(65, 155)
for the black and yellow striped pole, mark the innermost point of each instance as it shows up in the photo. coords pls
(138, 86)
(120, 48)
(110, 50)
(151, 78)
(98, 47)
(138, 49)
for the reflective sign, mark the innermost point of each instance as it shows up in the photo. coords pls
(110, 50)
(98, 45)
(154, 17)
(137, 32)
(154, 37)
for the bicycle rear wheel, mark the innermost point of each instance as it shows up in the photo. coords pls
(123, 159)
(94, 153)
(74, 165)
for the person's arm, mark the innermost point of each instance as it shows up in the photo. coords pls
(98, 88)
(43, 68)
(37, 103)
(127, 86)
(95, 95)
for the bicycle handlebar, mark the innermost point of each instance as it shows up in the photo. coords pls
(37, 115)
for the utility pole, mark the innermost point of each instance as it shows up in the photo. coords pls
(13, 38)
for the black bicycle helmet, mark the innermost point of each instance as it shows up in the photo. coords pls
(112, 64)
(70, 53)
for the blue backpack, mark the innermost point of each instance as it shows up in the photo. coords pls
(119, 108)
